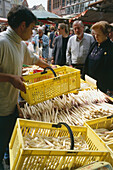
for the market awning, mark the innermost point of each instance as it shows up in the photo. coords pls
(93, 16)
(46, 22)
(43, 14)
(99, 10)
(3, 19)
(48, 16)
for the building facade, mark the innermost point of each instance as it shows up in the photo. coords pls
(68, 7)
(5, 6)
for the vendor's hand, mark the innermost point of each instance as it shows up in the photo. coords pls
(33, 42)
(54, 66)
(17, 82)
(52, 61)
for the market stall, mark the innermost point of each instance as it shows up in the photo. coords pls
(42, 142)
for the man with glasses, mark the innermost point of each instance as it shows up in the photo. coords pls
(78, 46)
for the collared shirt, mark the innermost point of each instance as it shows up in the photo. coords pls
(77, 50)
(13, 53)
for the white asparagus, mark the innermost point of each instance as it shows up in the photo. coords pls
(71, 108)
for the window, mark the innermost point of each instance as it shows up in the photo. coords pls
(72, 9)
(67, 10)
(56, 3)
(82, 7)
(49, 5)
(92, 1)
(63, 3)
(76, 8)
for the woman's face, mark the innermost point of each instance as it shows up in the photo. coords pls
(99, 36)
(60, 30)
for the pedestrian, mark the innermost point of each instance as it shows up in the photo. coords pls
(42, 41)
(60, 45)
(51, 38)
(99, 62)
(13, 53)
(71, 33)
(46, 30)
(78, 46)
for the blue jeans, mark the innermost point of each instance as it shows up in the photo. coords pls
(6, 128)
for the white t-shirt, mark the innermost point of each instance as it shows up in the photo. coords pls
(13, 53)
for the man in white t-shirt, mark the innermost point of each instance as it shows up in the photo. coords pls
(13, 53)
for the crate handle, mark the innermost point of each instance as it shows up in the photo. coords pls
(59, 125)
(50, 69)
(109, 117)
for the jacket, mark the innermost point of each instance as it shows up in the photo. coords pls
(57, 52)
(103, 70)
(45, 47)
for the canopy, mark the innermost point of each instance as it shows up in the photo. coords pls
(3, 19)
(101, 10)
(93, 16)
(48, 16)
(43, 14)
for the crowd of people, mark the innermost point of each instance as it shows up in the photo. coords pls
(20, 43)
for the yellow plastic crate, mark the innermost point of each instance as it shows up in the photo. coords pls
(41, 87)
(110, 145)
(110, 148)
(103, 122)
(22, 158)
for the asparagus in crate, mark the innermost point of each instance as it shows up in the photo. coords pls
(72, 109)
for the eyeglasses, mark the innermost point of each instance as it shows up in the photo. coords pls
(58, 29)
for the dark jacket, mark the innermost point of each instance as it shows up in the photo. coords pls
(58, 55)
(103, 70)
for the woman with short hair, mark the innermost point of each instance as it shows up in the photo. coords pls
(99, 62)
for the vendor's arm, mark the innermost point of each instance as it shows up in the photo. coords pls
(42, 64)
(16, 81)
